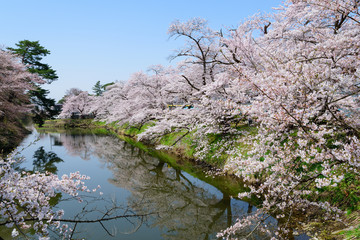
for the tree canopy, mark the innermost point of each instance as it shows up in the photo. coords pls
(31, 53)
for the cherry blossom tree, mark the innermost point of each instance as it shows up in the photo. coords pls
(25, 197)
(201, 49)
(68, 93)
(143, 98)
(15, 83)
(304, 74)
(200, 81)
(78, 104)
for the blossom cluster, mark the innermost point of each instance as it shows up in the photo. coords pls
(25, 197)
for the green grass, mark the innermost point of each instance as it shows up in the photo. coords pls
(252, 130)
(133, 130)
(182, 140)
(216, 143)
(346, 195)
(351, 234)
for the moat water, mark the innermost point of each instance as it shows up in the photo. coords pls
(171, 203)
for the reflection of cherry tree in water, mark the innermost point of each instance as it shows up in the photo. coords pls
(77, 145)
(185, 209)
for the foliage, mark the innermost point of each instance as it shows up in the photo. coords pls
(346, 195)
(31, 54)
(98, 88)
(44, 108)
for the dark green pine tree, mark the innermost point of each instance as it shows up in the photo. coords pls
(44, 107)
(31, 53)
(98, 88)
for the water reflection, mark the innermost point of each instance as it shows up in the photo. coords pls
(186, 207)
(45, 161)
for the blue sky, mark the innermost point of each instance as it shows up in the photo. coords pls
(108, 40)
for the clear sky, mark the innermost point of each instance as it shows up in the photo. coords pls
(108, 40)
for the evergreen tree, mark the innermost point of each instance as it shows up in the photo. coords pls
(98, 88)
(31, 53)
(44, 107)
